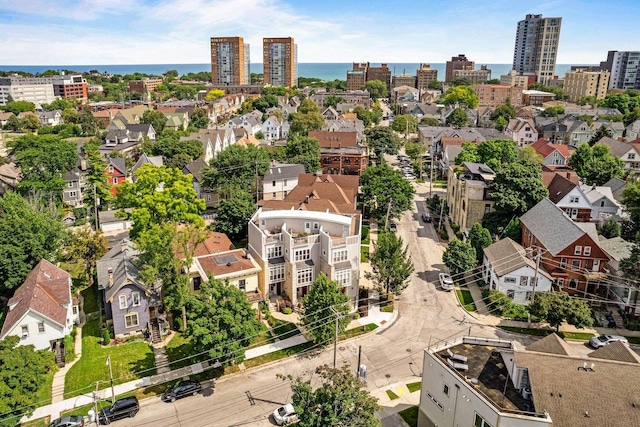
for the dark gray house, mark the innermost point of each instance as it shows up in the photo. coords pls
(130, 306)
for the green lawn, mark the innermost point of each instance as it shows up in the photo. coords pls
(40, 422)
(410, 416)
(129, 361)
(634, 340)
(392, 395)
(364, 253)
(277, 355)
(354, 332)
(283, 329)
(584, 336)
(466, 300)
(386, 306)
(91, 295)
(538, 332)
(414, 386)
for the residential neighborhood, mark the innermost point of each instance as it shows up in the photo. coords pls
(442, 249)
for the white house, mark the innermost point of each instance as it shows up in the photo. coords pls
(275, 129)
(294, 246)
(507, 269)
(603, 204)
(522, 131)
(42, 311)
(552, 154)
(280, 179)
(570, 197)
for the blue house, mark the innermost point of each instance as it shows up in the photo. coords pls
(130, 306)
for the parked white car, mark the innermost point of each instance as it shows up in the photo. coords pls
(602, 340)
(446, 282)
(285, 414)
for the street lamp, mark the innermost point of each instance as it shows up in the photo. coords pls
(113, 394)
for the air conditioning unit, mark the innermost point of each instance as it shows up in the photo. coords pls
(526, 393)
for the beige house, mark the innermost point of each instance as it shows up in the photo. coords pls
(468, 193)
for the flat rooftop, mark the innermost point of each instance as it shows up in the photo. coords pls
(487, 367)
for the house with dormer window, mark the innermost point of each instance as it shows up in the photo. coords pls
(522, 131)
(552, 154)
(569, 250)
(570, 197)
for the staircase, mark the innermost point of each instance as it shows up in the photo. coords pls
(60, 353)
(155, 331)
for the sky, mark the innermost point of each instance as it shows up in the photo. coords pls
(87, 32)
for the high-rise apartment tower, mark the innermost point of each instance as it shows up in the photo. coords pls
(280, 61)
(536, 47)
(230, 64)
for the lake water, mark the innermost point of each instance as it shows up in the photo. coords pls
(324, 71)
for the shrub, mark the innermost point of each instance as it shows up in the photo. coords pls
(365, 232)
(106, 337)
(502, 305)
(287, 310)
(178, 323)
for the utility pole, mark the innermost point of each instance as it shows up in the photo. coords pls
(386, 224)
(359, 356)
(95, 204)
(113, 394)
(535, 277)
(95, 405)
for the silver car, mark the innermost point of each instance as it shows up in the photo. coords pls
(446, 282)
(602, 340)
(285, 414)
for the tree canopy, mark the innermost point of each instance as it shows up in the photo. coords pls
(458, 118)
(43, 161)
(596, 165)
(381, 139)
(479, 238)
(23, 373)
(29, 232)
(631, 201)
(384, 189)
(391, 266)
(557, 307)
(317, 315)
(236, 167)
(155, 119)
(234, 213)
(517, 187)
(405, 123)
(341, 399)
(17, 107)
(459, 257)
(176, 153)
(220, 321)
(160, 195)
(460, 95)
(303, 123)
(377, 89)
(303, 150)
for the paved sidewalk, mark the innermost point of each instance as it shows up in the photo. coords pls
(57, 387)
(476, 293)
(389, 414)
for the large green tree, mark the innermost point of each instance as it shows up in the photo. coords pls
(381, 139)
(631, 201)
(479, 238)
(341, 399)
(457, 118)
(17, 107)
(596, 165)
(317, 315)
(517, 187)
(303, 123)
(23, 372)
(385, 191)
(234, 213)
(600, 133)
(391, 266)
(87, 246)
(557, 307)
(405, 123)
(160, 195)
(29, 231)
(220, 321)
(176, 153)
(377, 89)
(460, 95)
(43, 161)
(303, 150)
(459, 257)
(237, 167)
(155, 119)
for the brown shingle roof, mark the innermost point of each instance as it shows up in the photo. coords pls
(45, 291)
(214, 243)
(225, 263)
(551, 344)
(616, 351)
(559, 187)
(328, 139)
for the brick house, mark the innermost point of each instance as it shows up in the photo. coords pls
(570, 250)
(116, 173)
(340, 153)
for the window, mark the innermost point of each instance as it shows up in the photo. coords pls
(573, 284)
(131, 320)
(136, 299)
(509, 280)
(285, 182)
(75, 309)
(70, 184)
(316, 225)
(480, 422)
(445, 389)
(25, 330)
(274, 251)
(560, 282)
(302, 254)
(575, 264)
(305, 276)
(524, 280)
(111, 169)
(587, 251)
(577, 250)
(602, 202)
(41, 327)
(563, 263)
(343, 277)
(511, 293)
(273, 184)
(242, 284)
(574, 199)
(115, 180)
(340, 255)
(123, 301)
(274, 195)
(73, 194)
(276, 273)
(631, 156)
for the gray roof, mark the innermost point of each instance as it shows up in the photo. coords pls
(479, 168)
(195, 168)
(551, 226)
(616, 351)
(617, 185)
(144, 159)
(617, 148)
(616, 247)
(110, 216)
(506, 256)
(139, 127)
(120, 260)
(284, 171)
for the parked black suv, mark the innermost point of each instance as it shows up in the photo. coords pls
(122, 408)
(181, 389)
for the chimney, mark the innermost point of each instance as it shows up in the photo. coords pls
(110, 271)
(83, 165)
(124, 245)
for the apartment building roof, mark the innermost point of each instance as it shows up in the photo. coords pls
(228, 263)
(328, 139)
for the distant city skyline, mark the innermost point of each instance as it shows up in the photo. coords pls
(432, 31)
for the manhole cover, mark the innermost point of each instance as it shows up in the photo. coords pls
(388, 375)
(425, 300)
(341, 348)
(408, 350)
